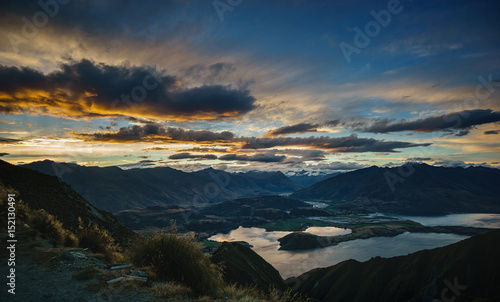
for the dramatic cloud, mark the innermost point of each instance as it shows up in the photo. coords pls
(4, 140)
(3, 154)
(260, 157)
(299, 128)
(305, 154)
(456, 120)
(462, 121)
(205, 150)
(88, 89)
(491, 132)
(350, 143)
(158, 133)
(189, 155)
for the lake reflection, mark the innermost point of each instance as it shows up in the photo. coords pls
(294, 263)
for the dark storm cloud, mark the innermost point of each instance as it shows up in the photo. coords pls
(462, 121)
(350, 143)
(160, 134)
(491, 132)
(462, 132)
(3, 154)
(456, 120)
(187, 155)
(110, 18)
(155, 132)
(260, 157)
(91, 89)
(300, 128)
(4, 140)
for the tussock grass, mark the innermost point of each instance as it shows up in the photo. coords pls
(99, 241)
(52, 228)
(178, 259)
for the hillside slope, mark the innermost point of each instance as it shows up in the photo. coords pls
(41, 191)
(465, 270)
(427, 190)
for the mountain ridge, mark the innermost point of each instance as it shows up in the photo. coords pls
(417, 189)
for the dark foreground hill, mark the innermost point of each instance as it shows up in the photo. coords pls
(468, 270)
(40, 191)
(245, 267)
(417, 189)
(114, 189)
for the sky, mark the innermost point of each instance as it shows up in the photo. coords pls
(292, 86)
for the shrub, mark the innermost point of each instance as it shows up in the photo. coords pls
(98, 241)
(178, 259)
(52, 228)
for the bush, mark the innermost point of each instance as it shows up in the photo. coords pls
(98, 241)
(178, 259)
(52, 228)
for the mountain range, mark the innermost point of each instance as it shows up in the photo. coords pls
(114, 189)
(250, 183)
(415, 189)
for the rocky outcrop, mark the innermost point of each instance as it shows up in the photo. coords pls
(306, 241)
(243, 266)
(302, 241)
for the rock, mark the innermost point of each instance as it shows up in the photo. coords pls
(98, 263)
(115, 280)
(118, 266)
(73, 256)
(142, 279)
(138, 273)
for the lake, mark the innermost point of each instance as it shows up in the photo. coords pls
(294, 263)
